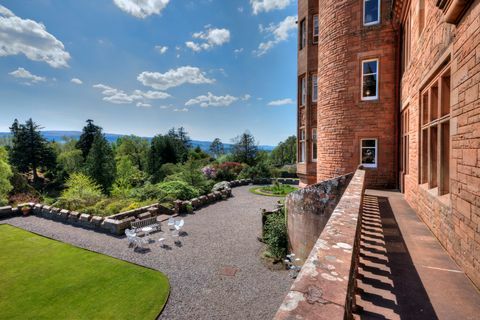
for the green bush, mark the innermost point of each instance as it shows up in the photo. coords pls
(81, 192)
(275, 235)
(178, 190)
(5, 175)
(261, 170)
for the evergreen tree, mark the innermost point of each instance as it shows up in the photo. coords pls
(181, 142)
(100, 163)
(163, 149)
(30, 151)
(89, 133)
(245, 149)
(217, 148)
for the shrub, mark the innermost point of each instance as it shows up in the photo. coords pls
(275, 235)
(261, 170)
(81, 192)
(209, 172)
(178, 190)
(229, 171)
(5, 175)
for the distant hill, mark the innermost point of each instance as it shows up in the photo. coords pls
(58, 136)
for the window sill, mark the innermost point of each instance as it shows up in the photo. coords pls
(444, 199)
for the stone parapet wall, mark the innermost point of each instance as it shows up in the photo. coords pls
(308, 211)
(324, 288)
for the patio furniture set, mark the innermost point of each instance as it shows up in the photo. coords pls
(139, 234)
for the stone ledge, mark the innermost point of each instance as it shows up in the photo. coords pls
(324, 288)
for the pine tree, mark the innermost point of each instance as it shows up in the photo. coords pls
(217, 148)
(100, 163)
(86, 139)
(245, 149)
(30, 150)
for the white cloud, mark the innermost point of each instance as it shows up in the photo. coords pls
(246, 97)
(142, 8)
(117, 96)
(211, 37)
(211, 100)
(268, 5)
(29, 78)
(173, 78)
(161, 49)
(238, 51)
(28, 37)
(281, 102)
(143, 105)
(180, 110)
(280, 32)
(76, 81)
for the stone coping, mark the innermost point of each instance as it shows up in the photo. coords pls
(324, 288)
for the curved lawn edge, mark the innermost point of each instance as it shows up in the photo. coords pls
(257, 191)
(163, 276)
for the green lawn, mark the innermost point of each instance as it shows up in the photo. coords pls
(45, 279)
(280, 190)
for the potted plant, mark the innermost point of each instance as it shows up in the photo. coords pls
(26, 210)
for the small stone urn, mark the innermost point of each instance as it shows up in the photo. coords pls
(26, 210)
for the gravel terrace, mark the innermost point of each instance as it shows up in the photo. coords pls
(221, 235)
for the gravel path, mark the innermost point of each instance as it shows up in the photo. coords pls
(223, 234)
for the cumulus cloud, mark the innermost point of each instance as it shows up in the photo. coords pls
(76, 81)
(281, 102)
(174, 78)
(268, 5)
(208, 39)
(25, 75)
(211, 100)
(279, 32)
(142, 8)
(117, 96)
(161, 49)
(28, 37)
(143, 105)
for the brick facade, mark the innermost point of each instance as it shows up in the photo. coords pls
(429, 55)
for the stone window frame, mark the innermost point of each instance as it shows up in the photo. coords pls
(453, 10)
(315, 29)
(302, 147)
(314, 87)
(302, 34)
(303, 90)
(379, 14)
(369, 165)
(405, 130)
(422, 16)
(314, 145)
(377, 96)
(434, 146)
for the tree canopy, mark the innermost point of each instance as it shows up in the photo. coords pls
(30, 151)
(89, 133)
(245, 149)
(100, 163)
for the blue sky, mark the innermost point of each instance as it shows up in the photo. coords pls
(215, 67)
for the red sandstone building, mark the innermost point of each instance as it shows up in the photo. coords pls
(393, 85)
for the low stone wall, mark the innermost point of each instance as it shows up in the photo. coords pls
(309, 210)
(324, 288)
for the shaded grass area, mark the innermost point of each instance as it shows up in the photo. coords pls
(46, 279)
(273, 190)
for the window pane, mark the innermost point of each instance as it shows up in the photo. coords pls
(315, 25)
(368, 143)
(370, 67)
(371, 11)
(370, 85)
(368, 155)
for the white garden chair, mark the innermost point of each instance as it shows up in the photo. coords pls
(171, 223)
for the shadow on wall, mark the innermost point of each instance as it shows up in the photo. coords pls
(309, 210)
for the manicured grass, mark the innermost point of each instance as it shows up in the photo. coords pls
(45, 279)
(274, 190)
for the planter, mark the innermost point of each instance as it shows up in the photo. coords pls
(26, 210)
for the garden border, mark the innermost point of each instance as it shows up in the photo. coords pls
(117, 223)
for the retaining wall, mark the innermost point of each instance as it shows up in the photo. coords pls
(324, 288)
(309, 210)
